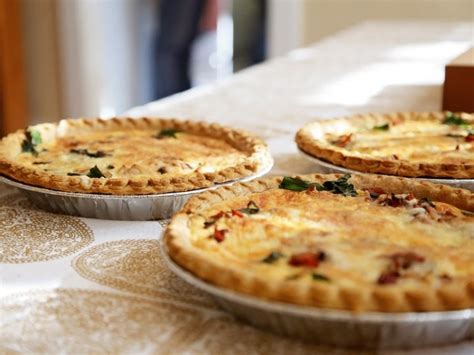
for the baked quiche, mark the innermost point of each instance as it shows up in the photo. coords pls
(403, 144)
(125, 156)
(359, 243)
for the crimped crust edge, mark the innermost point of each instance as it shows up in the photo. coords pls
(259, 158)
(454, 295)
(366, 163)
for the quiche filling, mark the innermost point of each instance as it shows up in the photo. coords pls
(336, 233)
(419, 141)
(412, 144)
(128, 153)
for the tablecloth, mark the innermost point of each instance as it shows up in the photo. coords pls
(78, 285)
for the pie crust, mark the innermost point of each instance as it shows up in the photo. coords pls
(239, 267)
(192, 155)
(449, 157)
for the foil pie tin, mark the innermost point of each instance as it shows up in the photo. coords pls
(117, 207)
(370, 330)
(325, 167)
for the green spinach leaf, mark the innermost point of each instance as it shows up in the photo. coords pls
(167, 133)
(383, 127)
(31, 141)
(272, 257)
(95, 172)
(452, 119)
(320, 277)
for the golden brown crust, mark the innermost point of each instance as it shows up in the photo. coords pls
(455, 294)
(340, 156)
(255, 151)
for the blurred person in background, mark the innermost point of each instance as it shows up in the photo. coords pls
(181, 22)
(178, 27)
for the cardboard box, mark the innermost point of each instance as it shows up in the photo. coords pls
(458, 90)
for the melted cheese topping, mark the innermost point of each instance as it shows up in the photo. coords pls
(133, 153)
(357, 240)
(420, 141)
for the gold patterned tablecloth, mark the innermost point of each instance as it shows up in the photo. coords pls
(77, 285)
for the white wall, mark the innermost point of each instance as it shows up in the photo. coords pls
(296, 23)
(105, 55)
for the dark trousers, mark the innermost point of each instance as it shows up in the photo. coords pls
(179, 22)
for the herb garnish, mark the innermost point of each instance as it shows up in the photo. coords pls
(167, 133)
(452, 119)
(383, 127)
(339, 186)
(95, 172)
(32, 139)
(320, 277)
(294, 184)
(98, 154)
(272, 257)
(207, 224)
(214, 219)
(252, 208)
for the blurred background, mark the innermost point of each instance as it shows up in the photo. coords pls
(73, 58)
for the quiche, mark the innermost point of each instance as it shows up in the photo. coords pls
(124, 156)
(403, 144)
(359, 243)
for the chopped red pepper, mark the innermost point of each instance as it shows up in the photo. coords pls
(399, 261)
(219, 235)
(405, 260)
(469, 138)
(308, 259)
(342, 141)
(377, 190)
(237, 213)
(388, 277)
(218, 215)
(213, 219)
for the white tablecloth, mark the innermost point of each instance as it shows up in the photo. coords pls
(78, 285)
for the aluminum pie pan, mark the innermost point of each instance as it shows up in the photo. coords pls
(116, 207)
(325, 167)
(370, 330)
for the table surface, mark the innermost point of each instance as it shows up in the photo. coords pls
(79, 285)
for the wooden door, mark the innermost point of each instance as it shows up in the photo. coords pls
(13, 104)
